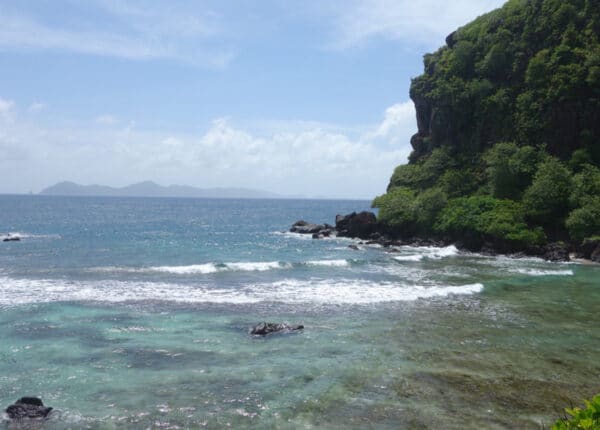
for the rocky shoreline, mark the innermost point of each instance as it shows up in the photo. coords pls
(364, 226)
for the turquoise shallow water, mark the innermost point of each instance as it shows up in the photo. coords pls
(133, 313)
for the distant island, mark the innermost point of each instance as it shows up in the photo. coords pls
(152, 189)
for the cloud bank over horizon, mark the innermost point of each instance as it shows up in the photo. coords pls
(307, 98)
(311, 159)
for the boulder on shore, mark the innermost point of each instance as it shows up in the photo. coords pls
(266, 328)
(361, 225)
(557, 251)
(590, 249)
(28, 408)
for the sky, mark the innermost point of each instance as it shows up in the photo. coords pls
(294, 97)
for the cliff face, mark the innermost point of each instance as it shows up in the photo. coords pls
(508, 142)
(528, 72)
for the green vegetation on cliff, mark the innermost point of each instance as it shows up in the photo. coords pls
(508, 144)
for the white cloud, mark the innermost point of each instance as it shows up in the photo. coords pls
(6, 110)
(36, 107)
(307, 159)
(399, 119)
(6, 106)
(106, 119)
(138, 31)
(426, 22)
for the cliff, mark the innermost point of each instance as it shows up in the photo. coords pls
(508, 143)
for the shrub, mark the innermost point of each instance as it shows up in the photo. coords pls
(586, 185)
(485, 215)
(427, 206)
(547, 199)
(585, 221)
(510, 169)
(409, 211)
(423, 174)
(395, 207)
(581, 419)
(458, 183)
(579, 159)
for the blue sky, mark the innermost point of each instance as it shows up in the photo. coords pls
(294, 97)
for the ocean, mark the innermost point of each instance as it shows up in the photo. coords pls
(134, 313)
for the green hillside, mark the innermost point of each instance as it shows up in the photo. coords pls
(507, 152)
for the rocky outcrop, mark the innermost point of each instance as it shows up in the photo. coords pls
(317, 231)
(26, 408)
(362, 225)
(266, 328)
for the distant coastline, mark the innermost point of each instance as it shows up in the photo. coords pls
(152, 189)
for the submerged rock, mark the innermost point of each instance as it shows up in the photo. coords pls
(28, 408)
(266, 328)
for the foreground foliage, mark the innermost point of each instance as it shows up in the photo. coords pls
(587, 418)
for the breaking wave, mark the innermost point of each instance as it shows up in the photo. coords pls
(323, 291)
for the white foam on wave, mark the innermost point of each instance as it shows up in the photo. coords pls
(541, 272)
(187, 270)
(329, 263)
(355, 291)
(214, 268)
(294, 291)
(409, 257)
(418, 253)
(208, 268)
(289, 234)
(21, 235)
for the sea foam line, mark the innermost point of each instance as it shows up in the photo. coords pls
(293, 291)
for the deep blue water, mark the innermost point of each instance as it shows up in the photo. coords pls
(134, 313)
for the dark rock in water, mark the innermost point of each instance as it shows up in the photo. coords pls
(307, 228)
(11, 239)
(556, 252)
(28, 408)
(317, 231)
(361, 225)
(354, 247)
(266, 328)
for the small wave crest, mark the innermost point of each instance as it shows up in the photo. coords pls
(209, 268)
(542, 272)
(329, 263)
(221, 267)
(21, 235)
(418, 253)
